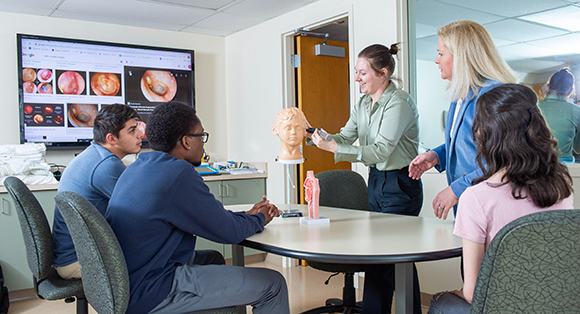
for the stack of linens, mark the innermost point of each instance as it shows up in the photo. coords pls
(26, 162)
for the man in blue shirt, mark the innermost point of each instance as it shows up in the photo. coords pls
(158, 208)
(93, 174)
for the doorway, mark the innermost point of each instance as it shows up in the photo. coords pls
(321, 90)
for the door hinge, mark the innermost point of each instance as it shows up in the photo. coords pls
(295, 61)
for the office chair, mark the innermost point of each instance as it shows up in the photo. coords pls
(343, 189)
(104, 270)
(39, 245)
(532, 266)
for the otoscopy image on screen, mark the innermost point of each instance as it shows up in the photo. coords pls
(63, 83)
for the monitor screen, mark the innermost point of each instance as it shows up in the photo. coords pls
(64, 82)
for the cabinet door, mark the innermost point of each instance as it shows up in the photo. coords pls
(17, 275)
(215, 187)
(247, 191)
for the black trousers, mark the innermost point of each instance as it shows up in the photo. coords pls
(390, 192)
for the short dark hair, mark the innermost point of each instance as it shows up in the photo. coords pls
(111, 119)
(512, 135)
(561, 82)
(168, 123)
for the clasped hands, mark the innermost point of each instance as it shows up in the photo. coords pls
(446, 199)
(266, 208)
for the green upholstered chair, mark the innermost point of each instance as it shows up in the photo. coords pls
(343, 189)
(532, 266)
(39, 248)
(103, 266)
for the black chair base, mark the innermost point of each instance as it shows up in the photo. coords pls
(348, 303)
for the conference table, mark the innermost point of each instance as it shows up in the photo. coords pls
(358, 237)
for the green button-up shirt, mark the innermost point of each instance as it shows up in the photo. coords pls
(388, 135)
(564, 120)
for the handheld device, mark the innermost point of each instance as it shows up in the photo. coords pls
(325, 136)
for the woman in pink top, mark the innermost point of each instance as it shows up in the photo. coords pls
(523, 176)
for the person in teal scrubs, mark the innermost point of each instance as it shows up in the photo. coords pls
(562, 116)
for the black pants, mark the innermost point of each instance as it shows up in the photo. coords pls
(390, 192)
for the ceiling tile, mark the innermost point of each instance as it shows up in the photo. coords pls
(264, 8)
(566, 44)
(520, 31)
(114, 20)
(536, 66)
(36, 7)
(511, 8)
(228, 21)
(437, 14)
(207, 4)
(525, 51)
(138, 11)
(39, 4)
(567, 18)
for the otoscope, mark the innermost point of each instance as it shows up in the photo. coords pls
(325, 136)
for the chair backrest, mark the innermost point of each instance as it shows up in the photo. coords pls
(103, 267)
(35, 228)
(532, 266)
(344, 189)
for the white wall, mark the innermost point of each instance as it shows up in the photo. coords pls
(254, 61)
(209, 66)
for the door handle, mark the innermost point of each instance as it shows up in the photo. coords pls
(227, 190)
(5, 209)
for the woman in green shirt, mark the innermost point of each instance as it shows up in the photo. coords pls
(385, 122)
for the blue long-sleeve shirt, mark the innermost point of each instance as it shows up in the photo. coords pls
(159, 205)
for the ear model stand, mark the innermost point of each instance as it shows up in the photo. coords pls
(290, 212)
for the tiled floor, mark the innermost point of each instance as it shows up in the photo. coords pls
(306, 290)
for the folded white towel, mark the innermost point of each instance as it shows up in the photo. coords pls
(33, 179)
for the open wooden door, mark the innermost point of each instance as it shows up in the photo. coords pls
(323, 96)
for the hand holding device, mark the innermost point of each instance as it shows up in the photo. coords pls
(325, 136)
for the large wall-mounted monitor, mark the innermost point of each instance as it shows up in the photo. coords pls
(63, 82)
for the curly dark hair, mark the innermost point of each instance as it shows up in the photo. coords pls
(512, 135)
(111, 119)
(168, 123)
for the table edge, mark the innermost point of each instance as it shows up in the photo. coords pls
(355, 259)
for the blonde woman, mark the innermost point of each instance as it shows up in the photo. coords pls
(467, 58)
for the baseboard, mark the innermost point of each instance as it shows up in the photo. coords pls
(21, 295)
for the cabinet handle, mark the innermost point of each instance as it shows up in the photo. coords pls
(220, 187)
(227, 190)
(5, 209)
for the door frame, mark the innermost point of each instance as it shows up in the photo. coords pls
(289, 86)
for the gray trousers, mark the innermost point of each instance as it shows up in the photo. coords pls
(203, 284)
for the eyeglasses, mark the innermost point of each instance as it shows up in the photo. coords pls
(204, 136)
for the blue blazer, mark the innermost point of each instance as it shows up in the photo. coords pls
(457, 155)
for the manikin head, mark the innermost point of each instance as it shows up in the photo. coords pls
(291, 127)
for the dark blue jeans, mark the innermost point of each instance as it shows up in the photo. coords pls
(449, 303)
(390, 192)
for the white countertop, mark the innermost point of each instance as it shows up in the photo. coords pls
(263, 166)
